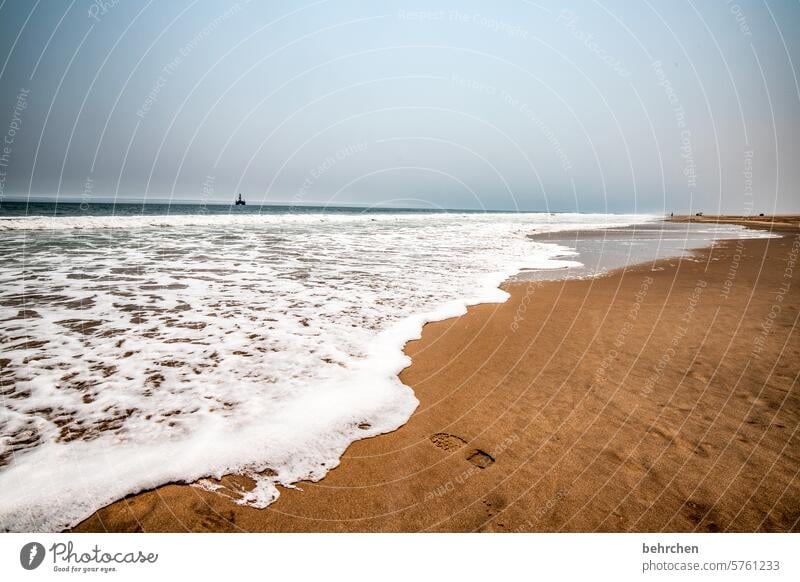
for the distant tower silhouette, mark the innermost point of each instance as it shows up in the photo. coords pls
(240, 202)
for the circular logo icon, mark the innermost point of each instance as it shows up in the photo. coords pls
(31, 555)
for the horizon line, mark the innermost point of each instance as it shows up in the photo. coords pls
(280, 204)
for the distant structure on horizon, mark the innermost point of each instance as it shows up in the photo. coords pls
(239, 201)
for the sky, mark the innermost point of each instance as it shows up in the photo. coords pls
(609, 106)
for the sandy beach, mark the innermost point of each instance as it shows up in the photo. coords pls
(660, 397)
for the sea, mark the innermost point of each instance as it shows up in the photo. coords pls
(149, 344)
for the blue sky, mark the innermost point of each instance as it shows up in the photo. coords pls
(585, 106)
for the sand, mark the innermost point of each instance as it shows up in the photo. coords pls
(662, 397)
(771, 222)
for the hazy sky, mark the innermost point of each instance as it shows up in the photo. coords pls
(587, 106)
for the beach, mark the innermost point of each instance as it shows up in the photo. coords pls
(658, 397)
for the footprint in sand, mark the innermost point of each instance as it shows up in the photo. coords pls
(701, 515)
(450, 442)
(211, 520)
(480, 459)
(447, 442)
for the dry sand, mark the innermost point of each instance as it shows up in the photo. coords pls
(660, 397)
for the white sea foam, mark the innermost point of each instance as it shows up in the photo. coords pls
(136, 355)
(541, 222)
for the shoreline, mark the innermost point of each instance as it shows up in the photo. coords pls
(785, 222)
(499, 430)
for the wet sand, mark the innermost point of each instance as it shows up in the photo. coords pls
(774, 222)
(660, 397)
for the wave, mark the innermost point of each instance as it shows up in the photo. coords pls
(143, 356)
(555, 222)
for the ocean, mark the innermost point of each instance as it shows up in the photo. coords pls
(147, 344)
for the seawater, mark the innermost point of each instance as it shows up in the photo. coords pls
(144, 344)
